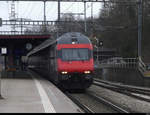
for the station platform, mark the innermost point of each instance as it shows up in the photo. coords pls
(27, 92)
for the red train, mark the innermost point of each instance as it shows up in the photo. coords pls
(67, 61)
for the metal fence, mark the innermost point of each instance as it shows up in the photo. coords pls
(142, 67)
(124, 63)
(118, 62)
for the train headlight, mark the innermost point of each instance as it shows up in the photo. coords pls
(73, 42)
(87, 72)
(64, 72)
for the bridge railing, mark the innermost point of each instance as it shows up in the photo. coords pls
(39, 26)
(22, 33)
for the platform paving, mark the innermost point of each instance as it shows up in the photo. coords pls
(27, 92)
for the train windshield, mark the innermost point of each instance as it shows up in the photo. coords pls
(75, 54)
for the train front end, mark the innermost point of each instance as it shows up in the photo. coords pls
(75, 63)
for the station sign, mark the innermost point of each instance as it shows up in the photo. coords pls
(3, 50)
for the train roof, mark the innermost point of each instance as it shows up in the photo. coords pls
(66, 38)
(70, 37)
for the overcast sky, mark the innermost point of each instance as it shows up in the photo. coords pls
(34, 10)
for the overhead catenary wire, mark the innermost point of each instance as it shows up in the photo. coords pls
(26, 11)
(68, 7)
(31, 8)
(8, 8)
(49, 9)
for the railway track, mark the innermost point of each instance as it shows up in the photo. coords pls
(136, 92)
(115, 108)
(82, 106)
(108, 103)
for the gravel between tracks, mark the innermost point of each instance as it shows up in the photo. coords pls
(93, 104)
(125, 101)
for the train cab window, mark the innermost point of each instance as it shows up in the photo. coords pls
(75, 54)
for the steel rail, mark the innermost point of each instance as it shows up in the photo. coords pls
(139, 90)
(106, 102)
(82, 106)
(122, 91)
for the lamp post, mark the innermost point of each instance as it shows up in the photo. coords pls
(58, 18)
(85, 27)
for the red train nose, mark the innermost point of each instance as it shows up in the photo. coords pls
(75, 66)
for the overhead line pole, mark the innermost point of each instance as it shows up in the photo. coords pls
(44, 10)
(140, 21)
(92, 11)
(58, 10)
(44, 15)
(85, 28)
(58, 18)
